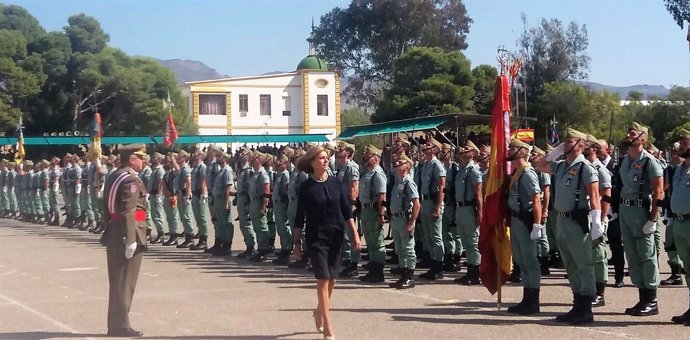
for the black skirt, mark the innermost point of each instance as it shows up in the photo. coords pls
(325, 247)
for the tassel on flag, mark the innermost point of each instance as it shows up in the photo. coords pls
(96, 133)
(20, 154)
(170, 133)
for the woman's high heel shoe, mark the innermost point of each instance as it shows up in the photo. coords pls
(316, 323)
(329, 337)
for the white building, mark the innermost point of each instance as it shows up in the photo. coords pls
(306, 101)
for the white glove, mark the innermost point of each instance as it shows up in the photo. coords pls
(203, 200)
(159, 197)
(147, 197)
(45, 194)
(38, 193)
(613, 217)
(4, 189)
(536, 231)
(77, 189)
(597, 228)
(56, 187)
(188, 200)
(649, 227)
(130, 249)
(99, 193)
(555, 153)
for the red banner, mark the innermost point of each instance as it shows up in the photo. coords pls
(170, 134)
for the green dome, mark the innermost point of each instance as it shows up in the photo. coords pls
(312, 62)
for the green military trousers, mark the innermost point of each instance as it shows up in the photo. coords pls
(172, 216)
(550, 230)
(526, 249)
(259, 223)
(432, 230)
(600, 258)
(670, 246)
(404, 243)
(681, 237)
(452, 242)
(53, 201)
(245, 222)
(373, 235)
(37, 202)
(45, 202)
(85, 203)
(157, 211)
(223, 219)
(576, 251)
(97, 204)
(12, 198)
(466, 219)
(640, 248)
(184, 208)
(282, 228)
(199, 210)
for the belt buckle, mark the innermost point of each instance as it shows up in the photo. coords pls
(561, 214)
(639, 202)
(680, 218)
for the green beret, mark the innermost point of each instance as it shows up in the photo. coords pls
(469, 146)
(572, 133)
(640, 128)
(45, 162)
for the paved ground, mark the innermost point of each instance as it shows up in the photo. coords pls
(53, 285)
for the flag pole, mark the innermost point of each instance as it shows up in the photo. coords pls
(499, 275)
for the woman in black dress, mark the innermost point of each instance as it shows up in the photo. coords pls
(323, 206)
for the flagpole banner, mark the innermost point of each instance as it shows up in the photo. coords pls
(170, 133)
(20, 154)
(96, 133)
(494, 235)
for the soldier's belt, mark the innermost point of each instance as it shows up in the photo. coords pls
(371, 205)
(403, 214)
(139, 216)
(639, 202)
(681, 218)
(432, 196)
(466, 204)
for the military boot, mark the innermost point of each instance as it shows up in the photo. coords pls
(216, 244)
(172, 241)
(598, 300)
(375, 273)
(260, 255)
(188, 242)
(449, 266)
(247, 253)
(283, 257)
(583, 313)
(572, 312)
(544, 265)
(675, 279)
(225, 249)
(434, 273)
(641, 294)
(515, 276)
(471, 278)
(649, 306)
(682, 319)
(201, 245)
(517, 309)
(406, 280)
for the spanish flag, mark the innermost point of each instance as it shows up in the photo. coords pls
(20, 154)
(525, 135)
(494, 235)
(96, 133)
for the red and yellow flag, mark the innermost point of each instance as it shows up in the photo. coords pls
(494, 235)
(170, 133)
(525, 135)
(96, 133)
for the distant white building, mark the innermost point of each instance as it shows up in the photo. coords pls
(306, 101)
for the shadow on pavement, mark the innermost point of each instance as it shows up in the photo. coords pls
(47, 335)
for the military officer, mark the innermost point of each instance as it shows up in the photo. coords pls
(222, 192)
(681, 213)
(524, 200)
(601, 265)
(543, 245)
(184, 197)
(244, 178)
(577, 203)
(372, 195)
(200, 200)
(432, 186)
(260, 194)
(155, 195)
(405, 207)
(125, 237)
(170, 199)
(280, 199)
(469, 203)
(451, 237)
(348, 173)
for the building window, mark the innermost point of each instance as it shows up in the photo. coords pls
(244, 105)
(322, 105)
(265, 104)
(286, 106)
(212, 104)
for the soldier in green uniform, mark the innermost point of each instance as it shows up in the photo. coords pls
(54, 191)
(669, 245)
(372, 195)
(524, 201)
(543, 245)
(29, 191)
(641, 188)
(452, 242)
(280, 199)
(348, 172)
(296, 180)
(4, 203)
(170, 200)
(469, 203)
(212, 170)
(96, 183)
(222, 191)
(244, 176)
(260, 194)
(601, 265)
(74, 188)
(200, 200)
(184, 197)
(155, 195)
(432, 186)
(11, 183)
(270, 218)
(87, 217)
(681, 213)
(577, 203)
(44, 188)
(404, 207)
(145, 176)
(35, 193)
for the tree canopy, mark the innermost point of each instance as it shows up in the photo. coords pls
(680, 10)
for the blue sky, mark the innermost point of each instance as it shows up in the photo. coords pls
(630, 41)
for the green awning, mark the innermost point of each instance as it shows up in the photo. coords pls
(415, 124)
(186, 139)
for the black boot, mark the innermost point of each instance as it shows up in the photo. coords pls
(350, 270)
(406, 280)
(172, 241)
(375, 273)
(641, 294)
(515, 276)
(650, 305)
(517, 309)
(260, 255)
(201, 245)
(148, 235)
(449, 265)
(682, 319)
(425, 261)
(247, 253)
(472, 276)
(283, 257)
(584, 311)
(544, 265)
(397, 270)
(675, 279)
(598, 300)
(531, 305)
(216, 245)
(159, 238)
(555, 260)
(435, 272)
(188, 242)
(223, 250)
(572, 312)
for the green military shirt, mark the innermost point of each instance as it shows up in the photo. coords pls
(404, 191)
(279, 192)
(565, 182)
(432, 171)
(243, 179)
(257, 183)
(631, 175)
(371, 184)
(295, 182)
(221, 181)
(465, 180)
(198, 175)
(604, 175)
(524, 190)
(212, 169)
(43, 176)
(145, 176)
(182, 175)
(681, 190)
(157, 175)
(348, 173)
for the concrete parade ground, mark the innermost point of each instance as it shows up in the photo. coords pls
(53, 285)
